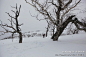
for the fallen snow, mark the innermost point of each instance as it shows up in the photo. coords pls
(66, 46)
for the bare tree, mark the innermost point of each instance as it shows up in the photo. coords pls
(56, 12)
(14, 25)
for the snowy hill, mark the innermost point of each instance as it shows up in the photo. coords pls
(68, 46)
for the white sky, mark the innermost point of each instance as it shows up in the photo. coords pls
(30, 23)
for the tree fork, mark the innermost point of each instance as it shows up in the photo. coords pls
(61, 29)
(64, 25)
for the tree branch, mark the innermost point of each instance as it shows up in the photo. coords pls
(13, 11)
(8, 26)
(70, 9)
(53, 4)
(10, 15)
(42, 11)
(67, 4)
(76, 22)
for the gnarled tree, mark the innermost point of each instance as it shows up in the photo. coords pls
(14, 25)
(56, 11)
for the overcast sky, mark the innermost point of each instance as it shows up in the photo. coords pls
(30, 23)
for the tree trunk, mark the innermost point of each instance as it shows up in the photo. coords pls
(53, 31)
(20, 37)
(46, 33)
(61, 28)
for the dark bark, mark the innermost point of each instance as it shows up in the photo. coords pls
(78, 24)
(61, 28)
(47, 31)
(53, 31)
(64, 25)
(20, 37)
(17, 25)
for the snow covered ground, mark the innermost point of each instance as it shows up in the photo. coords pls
(66, 46)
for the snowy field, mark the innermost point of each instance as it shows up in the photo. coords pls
(66, 46)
